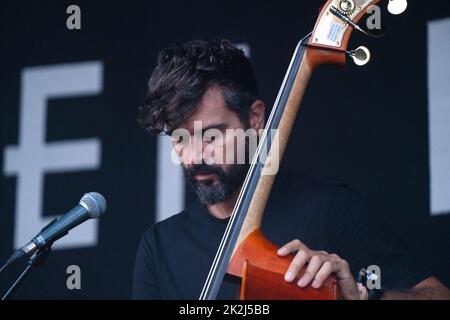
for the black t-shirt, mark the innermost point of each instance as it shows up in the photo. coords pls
(175, 255)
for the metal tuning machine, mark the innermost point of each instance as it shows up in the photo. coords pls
(361, 56)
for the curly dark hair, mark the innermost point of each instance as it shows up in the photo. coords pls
(182, 75)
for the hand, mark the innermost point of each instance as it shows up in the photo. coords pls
(321, 265)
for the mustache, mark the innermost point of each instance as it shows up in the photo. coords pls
(203, 168)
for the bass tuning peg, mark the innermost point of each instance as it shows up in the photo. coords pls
(397, 7)
(361, 56)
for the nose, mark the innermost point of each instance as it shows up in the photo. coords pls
(195, 151)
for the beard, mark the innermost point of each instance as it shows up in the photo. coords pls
(211, 191)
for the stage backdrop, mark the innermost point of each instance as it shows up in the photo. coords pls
(70, 89)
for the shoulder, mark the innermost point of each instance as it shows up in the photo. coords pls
(309, 187)
(317, 197)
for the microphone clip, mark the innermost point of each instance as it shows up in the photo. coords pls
(36, 260)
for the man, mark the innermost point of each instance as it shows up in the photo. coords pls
(325, 225)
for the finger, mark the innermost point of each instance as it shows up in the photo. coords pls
(363, 293)
(324, 272)
(296, 265)
(290, 247)
(314, 265)
(343, 272)
(346, 284)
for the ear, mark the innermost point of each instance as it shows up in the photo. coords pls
(256, 116)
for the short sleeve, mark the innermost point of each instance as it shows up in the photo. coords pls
(145, 281)
(364, 239)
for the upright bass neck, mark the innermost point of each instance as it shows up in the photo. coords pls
(251, 203)
(279, 127)
(281, 121)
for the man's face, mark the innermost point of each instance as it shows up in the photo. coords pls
(209, 151)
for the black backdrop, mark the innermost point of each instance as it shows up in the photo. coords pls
(365, 126)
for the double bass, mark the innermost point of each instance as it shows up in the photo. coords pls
(244, 253)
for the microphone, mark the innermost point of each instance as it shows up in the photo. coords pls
(91, 206)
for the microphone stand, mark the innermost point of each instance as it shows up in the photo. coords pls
(34, 261)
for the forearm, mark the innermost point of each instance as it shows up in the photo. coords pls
(425, 293)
